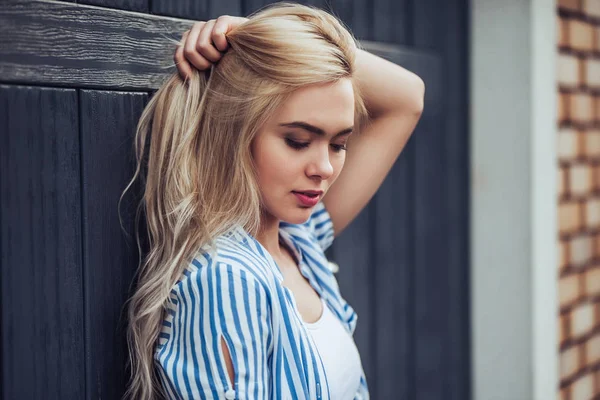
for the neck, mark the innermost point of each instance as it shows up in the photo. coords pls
(268, 236)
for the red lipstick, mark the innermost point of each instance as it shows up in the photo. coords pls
(308, 198)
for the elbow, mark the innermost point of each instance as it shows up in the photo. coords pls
(418, 97)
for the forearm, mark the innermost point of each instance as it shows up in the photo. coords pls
(387, 88)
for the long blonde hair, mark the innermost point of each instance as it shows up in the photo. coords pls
(197, 172)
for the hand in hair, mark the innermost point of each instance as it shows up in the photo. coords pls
(204, 44)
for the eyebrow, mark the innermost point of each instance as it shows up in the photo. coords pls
(311, 128)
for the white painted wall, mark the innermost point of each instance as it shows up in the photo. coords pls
(514, 200)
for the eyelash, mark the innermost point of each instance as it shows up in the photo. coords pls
(299, 145)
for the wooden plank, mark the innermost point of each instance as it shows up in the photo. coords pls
(392, 22)
(357, 15)
(221, 7)
(428, 21)
(63, 44)
(431, 254)
(353, 251)
(40, 246)
(200, 10)
(129, 5)
(250, 6)
(456, 78)
(190, 9)
(393, 267)
(122, 49)
(108, 123)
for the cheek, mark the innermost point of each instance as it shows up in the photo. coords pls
(274, 164)
(338, 165)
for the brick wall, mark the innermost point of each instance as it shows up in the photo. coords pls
(578, 71)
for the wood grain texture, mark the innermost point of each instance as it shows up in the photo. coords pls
(357, 15)
(392, 21)
(40, 247)
(455, 76)
(430, 280)
(429, 18)
(200, 10)
(353, 251)
(393, 269)
(108, 123)
(63, 44)
(130, 5)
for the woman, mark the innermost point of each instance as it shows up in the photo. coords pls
(234, 299)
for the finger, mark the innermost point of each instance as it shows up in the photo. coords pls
(218, 34)
(183, 67)
(189, 50)
(204, 43)
(224, 24)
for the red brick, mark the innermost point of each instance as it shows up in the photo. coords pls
(581, 107)
(583, 388)
(580, 179)
(592, 350)
(568, 289)
(581, 35)
(591, 76)
(568, 146)
(592, 213)
(569, 217)
(573, 5)
(580, 250)
(591, 7)
(570, 362)
(591, 280)
(591, 143)
(582, 319)
(568, 70)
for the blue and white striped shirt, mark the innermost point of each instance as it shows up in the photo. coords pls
(234, 289)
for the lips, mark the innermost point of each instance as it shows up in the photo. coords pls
(311, 193)
(308, 198)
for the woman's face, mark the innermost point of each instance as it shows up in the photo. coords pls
(301, 148)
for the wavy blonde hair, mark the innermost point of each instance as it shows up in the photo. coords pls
(193, 153)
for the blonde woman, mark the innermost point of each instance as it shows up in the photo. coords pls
(239, 153)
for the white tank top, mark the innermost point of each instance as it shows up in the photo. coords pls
(338, 351)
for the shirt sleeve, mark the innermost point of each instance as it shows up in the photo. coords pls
(321, 226)
(219, 301)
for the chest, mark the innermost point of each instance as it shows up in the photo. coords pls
(307, 299)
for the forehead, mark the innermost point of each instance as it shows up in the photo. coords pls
(329, 106)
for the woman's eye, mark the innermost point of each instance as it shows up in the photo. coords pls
(296, 145)
(338, 147)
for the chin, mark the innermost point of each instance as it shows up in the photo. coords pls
(299, 217)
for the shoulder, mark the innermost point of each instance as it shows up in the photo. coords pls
(232, 256)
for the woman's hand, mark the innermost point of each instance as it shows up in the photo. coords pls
(204, 44)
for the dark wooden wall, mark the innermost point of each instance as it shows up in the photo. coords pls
(74, 79)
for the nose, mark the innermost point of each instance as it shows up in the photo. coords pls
(320, 164)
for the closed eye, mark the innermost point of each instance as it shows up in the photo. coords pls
(302, 145)
(296, 145)
(338, 147)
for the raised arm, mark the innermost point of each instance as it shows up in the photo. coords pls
(394, 98)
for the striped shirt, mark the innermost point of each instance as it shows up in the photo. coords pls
(234, 290)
